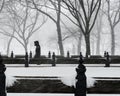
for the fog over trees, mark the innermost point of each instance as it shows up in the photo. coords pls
(88, 26)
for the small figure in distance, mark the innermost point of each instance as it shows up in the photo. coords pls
(37, 50)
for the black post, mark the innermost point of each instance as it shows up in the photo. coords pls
(30, 54)
(81, 88)
(12, 54)
(107, 64)
(49, 54)
(53, 59)
(68, 54)
(2, 78)
(81, 57)
(105, 53)
(26, 60)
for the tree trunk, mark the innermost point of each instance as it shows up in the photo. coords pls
(99, 29)
(9, 42)
(87, 41)
(112, 41)
(25, 47)
(98, 44)
(93, 46)
(79, 44)
(8, 46)
(60, 43)
(73, 49)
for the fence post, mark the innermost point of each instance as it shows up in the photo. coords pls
(105, 53)
(68, 54)
(81, 57)
(49, 54)
(80, 89)
(12, 54)
(30, 54)
(53, 59)
(107, 64)
(26, 60)
(2, 78)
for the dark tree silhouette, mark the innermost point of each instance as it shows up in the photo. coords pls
(85, 13)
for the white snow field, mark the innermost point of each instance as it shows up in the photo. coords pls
(48, 94)
(65, 73)
(62, 71)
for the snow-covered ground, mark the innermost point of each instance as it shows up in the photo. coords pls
(47, 94)
(65, 73)
(62, 72)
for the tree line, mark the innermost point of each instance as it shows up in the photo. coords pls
(25, 17)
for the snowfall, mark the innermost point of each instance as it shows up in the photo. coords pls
(66, 73)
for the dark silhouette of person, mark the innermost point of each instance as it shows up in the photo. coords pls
(2, 78)
(37, 50)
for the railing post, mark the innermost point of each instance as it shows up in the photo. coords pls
(12, 54)
(105, 53)
(68, 54)
(81, 57)
(49, 54)
(2, 78)
(26, 60)
(30, 54)
(80, 89)
(53, 59)
(107, 64)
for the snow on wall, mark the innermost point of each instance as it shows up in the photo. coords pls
(10, 80)
(71, 81)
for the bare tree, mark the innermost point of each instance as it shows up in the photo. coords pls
(56, 6)
(99, 25)
(113, 14)
(2, 2)
(73, 33)
(85, 13)
(22, 21)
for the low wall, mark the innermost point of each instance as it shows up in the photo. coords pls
(54, 85)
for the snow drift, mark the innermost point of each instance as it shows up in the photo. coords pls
(10, 80)
(71, 81)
